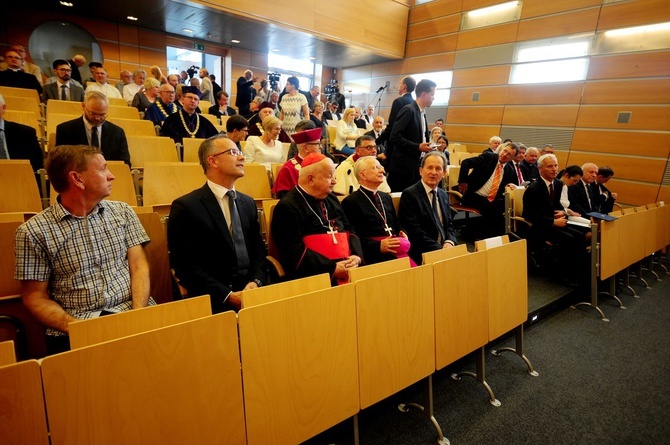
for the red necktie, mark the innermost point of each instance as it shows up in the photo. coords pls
(518, 173)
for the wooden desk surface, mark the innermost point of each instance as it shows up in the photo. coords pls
(396, 333)
(97, 330)
(299, 358)
(175, 385)
(286, 289)
(461, 307)
(22, 415)
(508, 287)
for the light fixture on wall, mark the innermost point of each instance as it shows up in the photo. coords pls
(234, 41)
(68, 4)
(130, 17)
(638, 30)
(491, 15)
(190, 31)
(495, 9)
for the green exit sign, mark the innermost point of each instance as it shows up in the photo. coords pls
(199, 46)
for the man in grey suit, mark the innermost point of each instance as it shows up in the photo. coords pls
(62, 88)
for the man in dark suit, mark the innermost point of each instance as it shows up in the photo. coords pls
(62, 88)
(221, 108)
(15, 77)
(513, 167)
(245, 92)
(21, 141)
(410, 137)
(424, 210)
(213, 232)
(482, 182)
(358, 120)
(405, 89)
(75, 63)
(582, 196)
(93, 129)
(332, 114)
(528, 166)
(380, 138)
(542, 208)
(605, 198)
(373, 216)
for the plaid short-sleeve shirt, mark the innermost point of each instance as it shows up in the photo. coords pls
(84, 259)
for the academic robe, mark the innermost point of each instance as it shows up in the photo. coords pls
(297, 215)
(174, 128)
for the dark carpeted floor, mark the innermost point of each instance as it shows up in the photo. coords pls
(599, 383)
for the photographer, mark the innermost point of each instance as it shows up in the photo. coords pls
(245, 92)
(332, 90)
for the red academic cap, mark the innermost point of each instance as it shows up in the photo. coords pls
(266, 105)
(312, 135)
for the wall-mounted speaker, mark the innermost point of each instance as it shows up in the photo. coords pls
(475, 96)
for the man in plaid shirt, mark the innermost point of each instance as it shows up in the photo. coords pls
(82, 257)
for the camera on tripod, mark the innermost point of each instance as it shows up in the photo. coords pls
(331, 88)
(192, 71)
(274, 80)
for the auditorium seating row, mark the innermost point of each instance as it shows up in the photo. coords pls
(631, 243)
(176, 374)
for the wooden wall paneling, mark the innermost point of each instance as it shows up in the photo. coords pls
(491, 35)
(622, 142)
(384, 69)
(440, 62)
(493, 75)
(113, 68)
(487, 96)
(129, 54)
(555, 93)
(633, 193)
(629, 167)
(643, 117)
(471, 133)
(624, 66)
(538, 115)
(433, 45)
(650, 91)
(558, 25)
(485, 56)
(664, 194)
(129, 35)
(110, 50)
(431, 28)
(634, 13)
(151, 39)
(475, 115)
(429, 10)
(150, 57)
(535, 8)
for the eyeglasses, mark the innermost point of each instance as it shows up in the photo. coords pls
(93, 114)
(376, 167)
(316, 144)
(235, 152)
(369, 147)
(65, 70)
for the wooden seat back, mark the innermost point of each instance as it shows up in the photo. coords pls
(286, 289)
(123, 187)
(255, 182)
(191, 147)
(123, 112)
(135, 127)
(166, 181)
(18, 187)
(145, 149)
(29, 118)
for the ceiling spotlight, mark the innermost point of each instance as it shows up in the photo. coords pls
(68, 4)
(130, 17)
(276, 50)
(235, 41)
(312, 58)
(190, 31)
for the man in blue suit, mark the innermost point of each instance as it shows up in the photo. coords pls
(424, 211)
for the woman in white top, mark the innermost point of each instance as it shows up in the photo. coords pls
(265, 149)
(570, 176)
(347, 133)
(293, 106)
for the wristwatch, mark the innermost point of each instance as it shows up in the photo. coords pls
(258, 282)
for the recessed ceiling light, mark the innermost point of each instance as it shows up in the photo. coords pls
(130, 17)
(68, 4)
(276, 50)
(235, 41)
(190, 31)
(312, 58)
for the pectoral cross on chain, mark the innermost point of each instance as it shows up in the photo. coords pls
(387, 229)
(332, 232)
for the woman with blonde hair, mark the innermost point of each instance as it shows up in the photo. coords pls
(347, 133)
(158, 74)
(144, 99)
(265, 149)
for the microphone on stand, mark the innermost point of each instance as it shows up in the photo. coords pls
(381, 89)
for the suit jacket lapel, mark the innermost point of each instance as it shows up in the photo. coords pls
(211, 204)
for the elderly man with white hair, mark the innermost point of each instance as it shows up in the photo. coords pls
(347, 180)
(312, 233)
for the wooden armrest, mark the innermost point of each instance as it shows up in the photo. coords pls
(276, 265)
(518, 218)
(459, 195)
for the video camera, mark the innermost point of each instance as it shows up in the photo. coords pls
(192, 71)
(274, 80)
(331, 88)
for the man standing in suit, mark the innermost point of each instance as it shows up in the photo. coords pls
(94, 130)
(482, 182)
(405, 88)
(543, 209)
(221, 108)
(75, 63)
(371, 213)
(410, 138)
(62, 88)
(529, 164)
(424, 210)
(15, 77)
(245, 92)
(18, 141)
(213, 232)
(582, 196)
(604, 196)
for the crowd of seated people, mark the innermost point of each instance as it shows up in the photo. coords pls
(315, 232)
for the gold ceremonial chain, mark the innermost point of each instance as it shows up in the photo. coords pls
(159, 104)
(197, 124)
